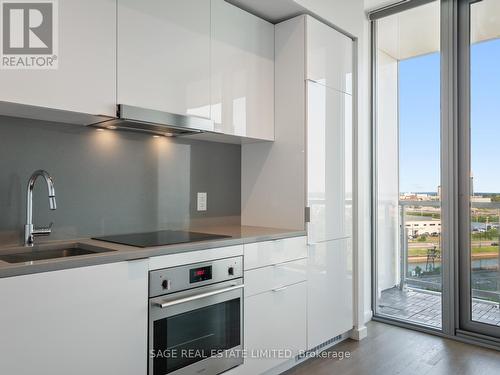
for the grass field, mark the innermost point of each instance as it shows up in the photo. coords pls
(491, 234)
(433, 215)
(422, 252)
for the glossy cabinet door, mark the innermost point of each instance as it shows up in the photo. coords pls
(89, 320)
(164, 55)
(85, 80)
(329, 163)
(329, 56)
(242, 76)
(329, 291)
(274, 320)
(273, 277)
(267, 253)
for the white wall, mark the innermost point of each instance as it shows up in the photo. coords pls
(273, 173)
(387, 172)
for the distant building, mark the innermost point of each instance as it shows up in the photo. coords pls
(417, 197)
(408, 197)
(423, 197)
(421, 225)
(480, 199)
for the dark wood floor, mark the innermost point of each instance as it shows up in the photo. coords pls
(390, 350)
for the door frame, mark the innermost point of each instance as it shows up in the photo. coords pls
(447, 179)
(466, 325)
(455, 120)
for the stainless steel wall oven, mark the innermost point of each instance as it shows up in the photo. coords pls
(196, 318)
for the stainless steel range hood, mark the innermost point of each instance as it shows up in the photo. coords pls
(128, 118)
(150, 121)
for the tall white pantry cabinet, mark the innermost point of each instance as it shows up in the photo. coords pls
(304, 179)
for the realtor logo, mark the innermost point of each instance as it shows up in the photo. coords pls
(29, 34)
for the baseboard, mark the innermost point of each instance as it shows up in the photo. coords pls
(308, 355)
(359, 333)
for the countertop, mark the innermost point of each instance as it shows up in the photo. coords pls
(239, 235)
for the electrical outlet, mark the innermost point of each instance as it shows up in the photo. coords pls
(202, 202)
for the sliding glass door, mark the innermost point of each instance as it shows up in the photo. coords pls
(479, 165)
(407, 172)
(436, 171)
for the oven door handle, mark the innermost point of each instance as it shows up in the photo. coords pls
(164, 305)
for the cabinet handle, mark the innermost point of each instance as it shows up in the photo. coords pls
(280, 289)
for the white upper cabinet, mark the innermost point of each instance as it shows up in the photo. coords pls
(164, 55)
(85, 79)
(329, 56)
(242, 77)
(329, 163)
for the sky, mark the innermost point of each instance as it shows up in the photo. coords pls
(419, 119)
(419, 111)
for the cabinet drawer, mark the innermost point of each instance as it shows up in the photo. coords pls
(266, 328)
(267, 253)
(270, 278)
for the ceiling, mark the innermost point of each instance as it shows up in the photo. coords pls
(279, 10)
(410, 33)
(404, 35)
(375, 4)
(273, 11)
(416, 31)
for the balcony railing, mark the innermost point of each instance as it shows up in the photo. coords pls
(486, 275)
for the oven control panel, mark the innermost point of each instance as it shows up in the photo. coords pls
(200, 274)
(176, 279)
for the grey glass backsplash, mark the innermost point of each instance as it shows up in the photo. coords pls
(111, 182)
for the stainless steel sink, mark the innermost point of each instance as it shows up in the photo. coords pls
(43, 252)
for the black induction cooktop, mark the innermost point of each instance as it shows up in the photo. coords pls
(161, 238)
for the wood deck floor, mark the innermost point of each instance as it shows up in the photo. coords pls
(390, 350)
(421, 307)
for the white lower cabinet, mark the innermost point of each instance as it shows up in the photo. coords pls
(89, 320)
(93, 320)
(275, 327)
(275, 309)
(329, 290)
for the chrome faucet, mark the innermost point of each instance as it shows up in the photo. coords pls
(30, 232)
